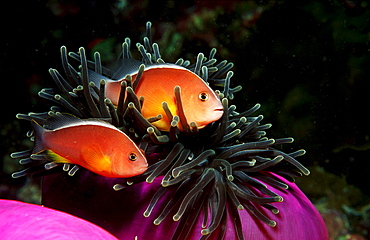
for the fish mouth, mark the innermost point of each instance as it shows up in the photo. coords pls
(141, 170)
(218, 112)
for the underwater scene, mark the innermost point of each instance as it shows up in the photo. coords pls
(172, 120)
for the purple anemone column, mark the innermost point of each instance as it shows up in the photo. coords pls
(20, 220)
(91, 197)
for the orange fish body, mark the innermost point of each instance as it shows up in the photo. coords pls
(94, 145)
(200, 103)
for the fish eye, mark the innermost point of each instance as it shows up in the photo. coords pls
(132, 156)
(203, 96)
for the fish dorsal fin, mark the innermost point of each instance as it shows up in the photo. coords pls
(166, 65)
(126, 66)
(63, 120)
(95, 158)
(59, 120)
(96, 77)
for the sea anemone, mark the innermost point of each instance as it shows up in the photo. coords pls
(201, 183)
(121, 213)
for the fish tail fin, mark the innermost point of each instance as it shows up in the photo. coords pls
(39, 145)
(38, 132)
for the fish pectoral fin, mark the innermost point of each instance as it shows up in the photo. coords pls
(153, 106)
(94, 157)
(153, 98)
(55, 157)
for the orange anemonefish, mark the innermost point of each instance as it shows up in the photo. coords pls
(200, 103)
(93, 144)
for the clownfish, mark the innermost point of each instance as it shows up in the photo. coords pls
(200, 103)
(93, 144)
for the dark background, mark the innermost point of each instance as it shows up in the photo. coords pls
(307, 63)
